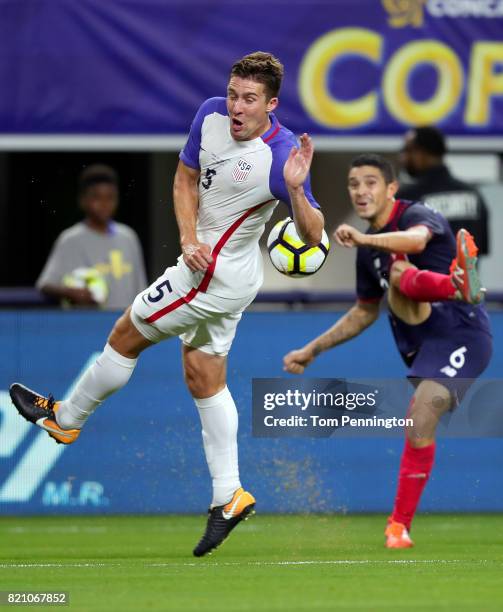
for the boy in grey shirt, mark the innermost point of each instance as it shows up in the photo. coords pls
(99, 243)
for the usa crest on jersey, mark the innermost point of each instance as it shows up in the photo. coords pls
(241, 170)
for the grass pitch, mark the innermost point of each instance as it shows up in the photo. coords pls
(271, 563)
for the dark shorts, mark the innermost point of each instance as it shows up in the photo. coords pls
(453, 346)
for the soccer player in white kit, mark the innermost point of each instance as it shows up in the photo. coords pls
(237, 164)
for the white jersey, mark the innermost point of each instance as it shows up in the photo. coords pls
(240, 184)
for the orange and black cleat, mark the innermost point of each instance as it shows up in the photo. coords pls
(223, 519)
(464, 274)
(397, 535)
(41, 411)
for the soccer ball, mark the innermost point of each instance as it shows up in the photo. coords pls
(90, 278)
(290, 256)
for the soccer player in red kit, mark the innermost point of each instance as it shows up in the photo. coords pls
(440, 327)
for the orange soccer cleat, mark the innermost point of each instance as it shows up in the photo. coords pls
(397, 535)
(41, 411)
(464, 273)
(223, 519)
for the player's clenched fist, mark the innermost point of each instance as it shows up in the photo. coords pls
(197, 256)
(348, 236)
(296, 361)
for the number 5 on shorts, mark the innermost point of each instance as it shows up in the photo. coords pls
(160, 291)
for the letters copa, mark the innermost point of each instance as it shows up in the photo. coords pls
(483, 80)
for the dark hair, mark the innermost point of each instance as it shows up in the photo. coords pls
(97, 173)
(371, 159)
(263, 68)
(429, 139)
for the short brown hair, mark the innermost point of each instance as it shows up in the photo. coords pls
(377, 161)
(263, 68)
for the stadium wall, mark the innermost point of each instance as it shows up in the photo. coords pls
(141, 452)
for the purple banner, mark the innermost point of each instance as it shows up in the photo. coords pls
(352, 66)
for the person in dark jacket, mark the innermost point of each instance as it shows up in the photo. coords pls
(459, 202)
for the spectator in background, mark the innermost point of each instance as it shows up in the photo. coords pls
(460, 203)
(106, 250)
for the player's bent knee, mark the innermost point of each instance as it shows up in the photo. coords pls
(432, 400)
(204, 374)
(202, 384)
(396, 271)
(434, 394)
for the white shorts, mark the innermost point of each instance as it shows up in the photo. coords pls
(201, 320)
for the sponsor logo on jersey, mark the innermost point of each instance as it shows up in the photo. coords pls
(241, 171)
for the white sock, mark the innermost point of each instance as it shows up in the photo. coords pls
(109, 373)
(219, 419)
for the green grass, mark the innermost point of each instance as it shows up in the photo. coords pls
(271, 563)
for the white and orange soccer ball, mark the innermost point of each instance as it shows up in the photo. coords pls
(290, 256)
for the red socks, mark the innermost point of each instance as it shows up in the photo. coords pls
(415, 469)
(426, 286)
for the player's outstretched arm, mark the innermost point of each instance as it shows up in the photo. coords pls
(357, 319)
(412, 240)
(196, 255)
(308, 220)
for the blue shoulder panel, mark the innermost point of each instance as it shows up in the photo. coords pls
(190, 152)
(281, 140)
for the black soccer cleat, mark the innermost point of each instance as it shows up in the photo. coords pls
(40, 411)
(223, 519)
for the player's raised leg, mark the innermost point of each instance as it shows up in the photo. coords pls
(63, 420)
(462, 283)
(411, 311)
(430, 401)
(205, 375)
